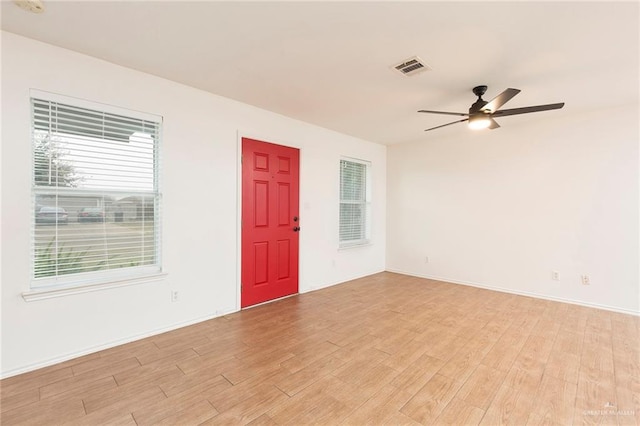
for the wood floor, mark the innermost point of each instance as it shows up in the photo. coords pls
(382, 350)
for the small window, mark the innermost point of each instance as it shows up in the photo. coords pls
(354, 202)
(96, 200)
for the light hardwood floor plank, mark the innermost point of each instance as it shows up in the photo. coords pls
(509, 407)
(460, 412)
(481, 386)
(429, 402)
(384, 404)
(44, 412)
(555, 401)
(81, 381)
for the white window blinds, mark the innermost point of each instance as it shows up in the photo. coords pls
(95, 192)
(354, 202)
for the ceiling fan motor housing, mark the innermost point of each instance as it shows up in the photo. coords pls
(477, 106)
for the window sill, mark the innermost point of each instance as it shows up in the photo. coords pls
(49, 293)
(362, 243)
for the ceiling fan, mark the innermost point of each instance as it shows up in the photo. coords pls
(481, 112)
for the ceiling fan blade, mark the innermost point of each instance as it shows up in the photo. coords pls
(526, 110)
(494, 104)
(448, 124)
(493, 124)
(462, 114)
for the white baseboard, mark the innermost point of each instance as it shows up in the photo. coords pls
(331, 284)
(109, 345)
(129, 339)
(520, 293)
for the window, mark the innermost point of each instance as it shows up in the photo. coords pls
(95, 192)
(354, 202)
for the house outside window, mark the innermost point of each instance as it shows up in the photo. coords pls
(355, 200)
(96, 198)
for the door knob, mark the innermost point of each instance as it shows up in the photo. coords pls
(296, 228)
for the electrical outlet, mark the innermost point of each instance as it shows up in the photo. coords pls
(555, 275)
(426, 259)
(585, 279)
(174, 296)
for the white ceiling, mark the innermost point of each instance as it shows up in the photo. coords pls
(330, 63)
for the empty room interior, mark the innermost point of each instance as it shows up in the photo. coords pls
(333, 213)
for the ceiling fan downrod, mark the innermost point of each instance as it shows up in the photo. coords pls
(477, 105)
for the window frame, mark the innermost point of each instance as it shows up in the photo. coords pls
(80, 282)
(365, 203)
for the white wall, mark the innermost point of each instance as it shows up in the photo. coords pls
(200, 167)
(504, 208)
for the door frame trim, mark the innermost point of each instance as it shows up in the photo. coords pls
(240, 134)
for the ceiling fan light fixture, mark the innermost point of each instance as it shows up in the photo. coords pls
(479, 121)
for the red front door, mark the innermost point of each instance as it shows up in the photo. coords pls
(270, 222)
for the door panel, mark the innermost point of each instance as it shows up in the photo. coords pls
(261, 203)
(270, 202)
(261, 250)
(284, 207)
(284, 258)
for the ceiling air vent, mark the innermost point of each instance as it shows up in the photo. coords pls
(412, 66)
